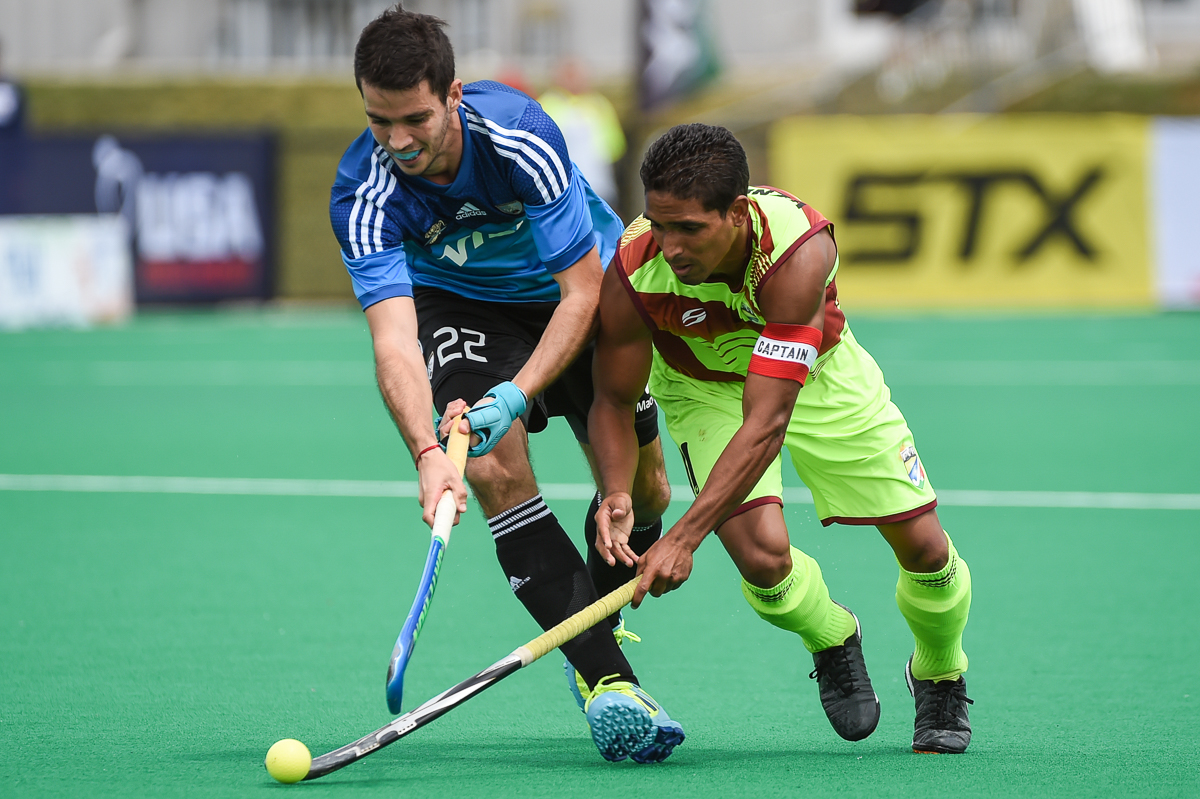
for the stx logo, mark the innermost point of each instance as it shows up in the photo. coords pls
(1057, 208)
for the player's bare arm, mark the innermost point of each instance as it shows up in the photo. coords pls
(793, 295)
(619, 372)
(570, 328)
(403, 382)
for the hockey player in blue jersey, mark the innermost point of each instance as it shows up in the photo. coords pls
(476, 250)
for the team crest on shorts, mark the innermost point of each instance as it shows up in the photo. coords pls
(912, 465)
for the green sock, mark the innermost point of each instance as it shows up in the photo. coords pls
(802, 605)
(936, 607)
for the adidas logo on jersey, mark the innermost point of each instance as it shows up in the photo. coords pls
(468, 210)
(694, 317)
(515, 583)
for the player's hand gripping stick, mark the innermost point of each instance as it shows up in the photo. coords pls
(490, 421)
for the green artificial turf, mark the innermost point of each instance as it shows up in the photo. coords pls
(157, 644)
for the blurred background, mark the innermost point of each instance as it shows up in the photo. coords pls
(972, 153)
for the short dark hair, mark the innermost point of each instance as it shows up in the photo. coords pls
(696, 161)
(399, 49)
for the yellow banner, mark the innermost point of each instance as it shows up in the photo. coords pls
(972, 211)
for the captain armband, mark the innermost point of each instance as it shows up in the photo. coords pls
(786, 351)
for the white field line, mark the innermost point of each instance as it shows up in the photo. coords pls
(253, 486)
(228, 373)
(1042, 373)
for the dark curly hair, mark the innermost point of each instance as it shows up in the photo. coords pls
(696, 161)
(399, 49)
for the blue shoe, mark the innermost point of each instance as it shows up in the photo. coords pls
(575, 682)
(627, 722)
(577, 685)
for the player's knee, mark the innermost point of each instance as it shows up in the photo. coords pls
(765, 567)
(927, 555)
(497, 483)
(651, 498)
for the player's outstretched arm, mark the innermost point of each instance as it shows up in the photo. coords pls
(404, 384)
(620, 369)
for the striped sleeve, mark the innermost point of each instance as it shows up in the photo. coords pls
(544, 178)
(541, 168)
(358, 203)
(369, 238)
(379, 276)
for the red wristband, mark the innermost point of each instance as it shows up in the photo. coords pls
(431, 447)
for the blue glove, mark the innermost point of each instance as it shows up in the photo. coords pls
(492, 421)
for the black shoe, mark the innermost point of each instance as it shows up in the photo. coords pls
(942, 725)
(846, 693)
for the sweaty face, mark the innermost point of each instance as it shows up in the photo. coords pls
(696, 242)
(419, 130)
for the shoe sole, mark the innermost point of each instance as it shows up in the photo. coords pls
(620, 729)
(665, 740)
(627, 731)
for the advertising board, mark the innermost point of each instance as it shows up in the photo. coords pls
(965, 211)
(64, 270)
(199, 210)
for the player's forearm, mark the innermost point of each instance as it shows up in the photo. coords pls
(569, 330)
(404, 384)
(733, 476)
(615, 445)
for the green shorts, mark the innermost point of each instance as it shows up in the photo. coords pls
(848, 441)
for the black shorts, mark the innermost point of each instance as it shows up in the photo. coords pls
(470, 346)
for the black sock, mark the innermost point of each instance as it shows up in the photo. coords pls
(550, 578)
(609, 578)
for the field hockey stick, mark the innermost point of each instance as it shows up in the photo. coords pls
(448, 700)
(443, 522)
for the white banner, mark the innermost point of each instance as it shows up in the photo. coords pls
(64, 270)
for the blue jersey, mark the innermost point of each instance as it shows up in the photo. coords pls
(517, 211)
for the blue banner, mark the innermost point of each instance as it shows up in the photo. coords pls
(199, 208)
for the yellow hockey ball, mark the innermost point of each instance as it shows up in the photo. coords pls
(288, 760)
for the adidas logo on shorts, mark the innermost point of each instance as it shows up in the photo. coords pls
(515, 583)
